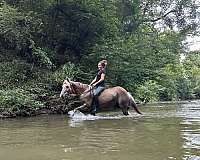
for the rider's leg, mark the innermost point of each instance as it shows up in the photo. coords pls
(95, 102)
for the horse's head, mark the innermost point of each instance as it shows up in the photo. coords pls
(66, 88)
(72, 88)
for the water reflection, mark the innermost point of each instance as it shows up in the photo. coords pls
(190, 131)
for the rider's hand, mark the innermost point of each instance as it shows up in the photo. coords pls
(93, 85)
(90, 86)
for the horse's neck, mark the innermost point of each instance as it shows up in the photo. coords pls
(81, 87)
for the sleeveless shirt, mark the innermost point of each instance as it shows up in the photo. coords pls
(98, 75)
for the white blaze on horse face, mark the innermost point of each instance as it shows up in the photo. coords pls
(65, 88)
(63, 91)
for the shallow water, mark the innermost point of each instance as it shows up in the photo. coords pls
(163, 132)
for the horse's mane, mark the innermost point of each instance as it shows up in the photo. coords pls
(79, 84)
(81, 87)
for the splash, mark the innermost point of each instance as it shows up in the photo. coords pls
(79, 116)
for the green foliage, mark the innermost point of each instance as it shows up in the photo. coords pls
(18, 99)
(134, 59)
(175, 83)
(148, 92)
(41, 57)
(8, 55)
(185, 89)
(14, 73)
(44, 41)
(168, 78)
(16, 28)
(68, 70)
(192, 68)
(179, 16)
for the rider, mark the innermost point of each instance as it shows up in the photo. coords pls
(98, 84)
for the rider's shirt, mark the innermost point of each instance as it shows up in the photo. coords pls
(98, 76)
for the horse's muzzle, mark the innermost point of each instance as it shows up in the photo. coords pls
(62, 95)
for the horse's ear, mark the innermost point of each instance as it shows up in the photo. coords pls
(68, 80)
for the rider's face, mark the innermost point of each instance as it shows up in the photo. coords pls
(100, 67)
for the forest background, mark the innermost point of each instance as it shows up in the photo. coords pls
(44, 41)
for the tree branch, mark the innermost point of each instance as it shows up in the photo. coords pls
(161, 17)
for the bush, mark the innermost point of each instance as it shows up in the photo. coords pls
(68, 70)
(41, 57)
(148, 92)
(13, 74)
(18, 99)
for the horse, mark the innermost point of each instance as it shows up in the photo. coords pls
(110, 98)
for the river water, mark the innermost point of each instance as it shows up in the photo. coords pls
(163, 132)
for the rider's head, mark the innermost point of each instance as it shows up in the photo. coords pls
(102, 64)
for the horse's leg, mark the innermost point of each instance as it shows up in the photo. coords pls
(125, 111)
(124, 107)
(80, 107)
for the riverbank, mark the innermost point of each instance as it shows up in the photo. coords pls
(56, 105)
(27, 90)
(52, 105)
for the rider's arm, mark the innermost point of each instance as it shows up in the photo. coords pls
(94, 80)
(101, 79)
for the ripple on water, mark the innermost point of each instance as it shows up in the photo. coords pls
(161, 132)
(190, 129)
(192, 140)
(191, 157)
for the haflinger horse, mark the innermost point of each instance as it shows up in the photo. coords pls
(110, 98)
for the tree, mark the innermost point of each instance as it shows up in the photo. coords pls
(192, 67)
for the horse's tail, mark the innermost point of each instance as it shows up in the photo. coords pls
(133, 103)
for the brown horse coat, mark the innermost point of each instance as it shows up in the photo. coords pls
(109, 99)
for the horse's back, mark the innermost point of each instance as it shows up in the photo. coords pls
(112, 93)
(114, 90)
(113, 97)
